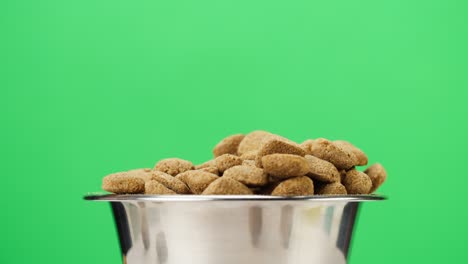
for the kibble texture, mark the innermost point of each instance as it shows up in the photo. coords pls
(260, 163)
(173, 166)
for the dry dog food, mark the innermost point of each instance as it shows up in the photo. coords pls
(173, 166)
(331, 188)
(276, 146)
(170, 182)
(253, 141)
(296, 186)
(322, 170)
(258, 163)
(210, 169)
(357, 182)
(227, 161)
(338, 156)
(228, 145)
(285, 165)
(155, 187)
(248, 175)
(123, 183)
(377, 174)
(225, 185)
(196, 180)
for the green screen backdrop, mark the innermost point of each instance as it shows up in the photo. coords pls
(93, 87)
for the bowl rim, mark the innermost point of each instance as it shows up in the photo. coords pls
(212, 198)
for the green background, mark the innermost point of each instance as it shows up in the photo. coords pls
(93, 87)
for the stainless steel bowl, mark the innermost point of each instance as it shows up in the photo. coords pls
(234, 229)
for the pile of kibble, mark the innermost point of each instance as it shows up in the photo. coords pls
(258, 163)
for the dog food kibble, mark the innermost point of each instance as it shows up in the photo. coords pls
(334, 188)
(225, 185)
(322, 170)
(357, 182)
(144, 174)
(361, 157)
(122, 182)
(249, 162)
(253, 141)
(276, 145)
(307, 146)
(228, 145)
(259, 163)
(251, 155)
(173, 166)
(210, 169)
(327, 150)
(248, 175)
(297, 186)
(210, 163)
(285, 165)
(196, 180)
(170, 182)
(155, 187)
(227, 161)
(377, 174)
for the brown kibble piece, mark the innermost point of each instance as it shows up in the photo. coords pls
(173, 166)
(377, 174)
(248, 175)
(334, 188)
(251, 155)
(155, 187)
(144, 174)
(327, 150)
(357, 182)
(227, 161)
(225, 185)
(297, 186)
(196, 180)
(228, 145)
(210, 169)
(210, 163)
(170, 182)
(253, 141)
(249, 162)
(278, 145)
(122, 183)
(342, 175)
(322, 170)
(285, 165)
(361, 157)
(307, 146)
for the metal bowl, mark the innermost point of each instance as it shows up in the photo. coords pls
(233, 229)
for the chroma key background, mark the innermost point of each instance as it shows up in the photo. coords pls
(92, 87)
